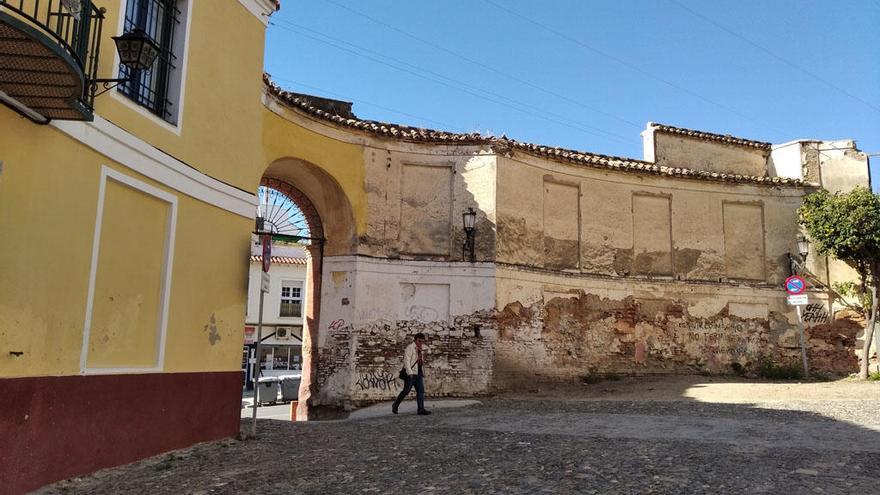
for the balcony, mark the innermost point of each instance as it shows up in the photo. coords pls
(48, 55)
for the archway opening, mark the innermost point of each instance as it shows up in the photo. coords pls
(295, 198)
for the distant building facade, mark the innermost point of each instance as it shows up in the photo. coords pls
(283, 312)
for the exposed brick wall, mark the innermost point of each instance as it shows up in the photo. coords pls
(458, 357)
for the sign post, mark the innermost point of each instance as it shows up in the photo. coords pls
(264, 288)
(795, 286)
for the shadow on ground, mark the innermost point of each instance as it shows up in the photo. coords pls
(637, 435)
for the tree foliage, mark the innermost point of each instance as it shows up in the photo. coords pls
(847, 227)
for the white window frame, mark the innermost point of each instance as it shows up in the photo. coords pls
(291, 284)
(176, 79)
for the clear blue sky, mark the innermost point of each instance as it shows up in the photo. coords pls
(588, 75)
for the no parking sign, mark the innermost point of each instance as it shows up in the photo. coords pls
(794, 285)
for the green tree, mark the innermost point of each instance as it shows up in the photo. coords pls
(847, 226)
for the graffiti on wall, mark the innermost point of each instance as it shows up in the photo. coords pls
(422, 313)
(424, 302)
(376, 380)
(711, 331)
(815, 313)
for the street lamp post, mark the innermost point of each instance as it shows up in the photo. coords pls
(266, 241)
(797, 267)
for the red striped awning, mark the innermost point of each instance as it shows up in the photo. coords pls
(282, 260)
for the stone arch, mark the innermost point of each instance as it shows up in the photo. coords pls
(328, 206)
(330, 218)
(313, 219)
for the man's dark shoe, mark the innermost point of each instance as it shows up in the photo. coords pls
(424, 412)
(393, 410)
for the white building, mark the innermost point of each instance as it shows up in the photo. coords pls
(283, 310)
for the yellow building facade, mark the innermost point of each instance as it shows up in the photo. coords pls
(119, 336)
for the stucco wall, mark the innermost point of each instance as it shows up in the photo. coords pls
(625, 225)
(372, 307)
(553, 326)
(50, 200)
(222, 63)
(673, 150)
(580, 269)
(416, 196)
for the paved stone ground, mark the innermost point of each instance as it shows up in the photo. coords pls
(657, 435)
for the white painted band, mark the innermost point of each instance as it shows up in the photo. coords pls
(132, 152)
(261, 9)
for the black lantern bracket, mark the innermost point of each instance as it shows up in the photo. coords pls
(106, 84)
(136, 50)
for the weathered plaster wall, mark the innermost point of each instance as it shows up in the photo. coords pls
(838, 166)
(372, 307)
(416, 195)
(649, 226)
(842, 165)
(673, 150)
(672, 276)
(562, 326)
(580, 270)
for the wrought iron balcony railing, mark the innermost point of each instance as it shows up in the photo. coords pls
(48, 56)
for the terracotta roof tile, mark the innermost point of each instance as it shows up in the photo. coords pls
(628, 164)
(505, 145)
(281, 260)
(709, 136)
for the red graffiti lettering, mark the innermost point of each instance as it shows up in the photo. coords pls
(337, 324)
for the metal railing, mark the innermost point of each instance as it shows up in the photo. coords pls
(75, 25)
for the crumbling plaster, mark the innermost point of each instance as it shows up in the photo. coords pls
(416, 197)
(579, 269)
(605, 213)
(573, 325)
(372, 307)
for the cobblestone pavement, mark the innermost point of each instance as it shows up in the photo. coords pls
(546, 444)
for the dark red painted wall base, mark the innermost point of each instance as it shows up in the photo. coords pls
(53, 428)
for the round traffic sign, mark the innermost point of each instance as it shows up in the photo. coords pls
(794, 285)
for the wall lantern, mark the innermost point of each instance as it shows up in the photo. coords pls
(797, 265)
(803, 246)
(259, 222)
(137, 51)
(469, 218)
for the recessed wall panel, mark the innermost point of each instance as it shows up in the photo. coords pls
(652, 235)
(561, 225)
(127, 302)
(744, 240)
(425, 206)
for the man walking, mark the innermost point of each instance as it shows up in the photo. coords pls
(413, 367)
